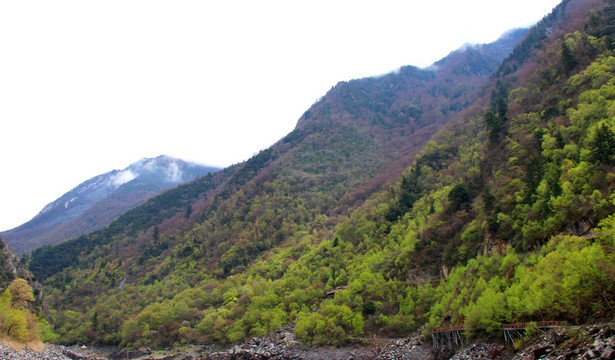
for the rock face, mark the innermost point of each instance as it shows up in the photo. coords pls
(12, 268)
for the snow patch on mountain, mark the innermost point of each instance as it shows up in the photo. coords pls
(68, 202)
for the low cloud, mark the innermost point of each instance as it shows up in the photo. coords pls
(174, 174)
(122, 177)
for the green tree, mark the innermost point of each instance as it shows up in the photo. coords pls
(488, 312)
(603, 145)
(459, 196)
(568, 59)
(534, 171)
(357, 324)
(15, 324)
(21, 293)
(502, 108)
(494, 124)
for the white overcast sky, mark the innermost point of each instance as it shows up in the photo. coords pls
(91, 86)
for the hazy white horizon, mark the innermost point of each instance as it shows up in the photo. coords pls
(88, 87)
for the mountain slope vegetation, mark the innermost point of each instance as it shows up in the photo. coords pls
(22, 311)
(356, 223)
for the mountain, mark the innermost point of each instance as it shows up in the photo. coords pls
(361, 135)
(342, 144)
(97, 201)
(477, 192)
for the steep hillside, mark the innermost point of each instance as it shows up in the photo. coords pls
(356, 138)
(12, 268)
(23, 314)
(506, 217)
(94, 203)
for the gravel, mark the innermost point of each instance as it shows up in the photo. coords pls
(50, 352)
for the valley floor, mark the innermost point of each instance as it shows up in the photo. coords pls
(574, 342)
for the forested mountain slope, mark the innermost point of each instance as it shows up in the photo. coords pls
(479, 228)
(507, 216)
(97, 201)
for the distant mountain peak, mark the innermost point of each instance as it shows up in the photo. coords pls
(81, 210)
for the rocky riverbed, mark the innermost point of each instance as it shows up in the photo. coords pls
(582, 342)
(578, 342)
(50, 352)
